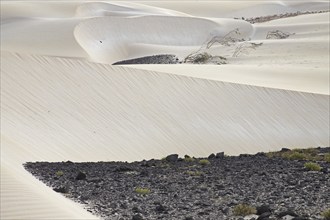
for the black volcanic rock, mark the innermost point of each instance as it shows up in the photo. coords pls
(172, 158)
(220, 155)
(185, 189)
(288, 212)
(81, 176)
(61, 189)
(155, 59)
(262, 209)
(137, 217)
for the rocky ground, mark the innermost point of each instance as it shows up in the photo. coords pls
(155, 59)
(273, 186)
(262, 19)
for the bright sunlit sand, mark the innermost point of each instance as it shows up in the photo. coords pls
(61, 99)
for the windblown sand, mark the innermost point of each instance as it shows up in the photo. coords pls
(62, 100)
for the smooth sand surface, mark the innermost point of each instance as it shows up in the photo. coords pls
(61, 100)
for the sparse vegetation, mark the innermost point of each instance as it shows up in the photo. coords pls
(59, 173)
(204, 58)
(189, 159)
(142, 191)
(326, 214)
(327, 157)
(194, 173)
(231, 39)
(277, 34)
(204, 162)
(245, 48)
(310, 154)
(244, 210)
(313, 166)
(295, 155)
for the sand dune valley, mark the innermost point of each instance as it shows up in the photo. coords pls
(244, 77)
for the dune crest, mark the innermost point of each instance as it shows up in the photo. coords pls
(62, 100)
(107, 39)
(124, 9)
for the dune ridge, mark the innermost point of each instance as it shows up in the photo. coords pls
(144, 98)
(107, 39)
(79, 111)
(59, 102)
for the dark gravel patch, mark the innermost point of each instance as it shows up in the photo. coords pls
(182, 189)
(155, 59)
(262, 19)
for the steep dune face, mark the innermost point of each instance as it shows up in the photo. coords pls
(71, 108)
(25, 197)
(58, 109)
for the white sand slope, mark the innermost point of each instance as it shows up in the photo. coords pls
(58, 109)
(299, 63)
(288, 77)
(73, 110)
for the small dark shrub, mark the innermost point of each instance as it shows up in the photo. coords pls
(142, 191)
(59, 173)
(194, 173)
(244, 210)
(204, 162)
(313, 166)
(326, 214)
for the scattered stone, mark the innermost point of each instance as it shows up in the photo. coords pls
(137, 217)
(172, 158)
(262, 209)
(160, 208)
(81, 176)
(264, 216)
(279, 188)
(220, 155)
(288, 212)
(61, 189)
(250, 217)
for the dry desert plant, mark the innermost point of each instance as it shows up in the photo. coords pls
(245, 48)
(277, 34)
(232, 38)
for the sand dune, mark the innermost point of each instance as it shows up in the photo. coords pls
(107, 107)
(285, 77)
(56, 109)
(239, 9)
(124, 9)
(108, 39)
(73, 110)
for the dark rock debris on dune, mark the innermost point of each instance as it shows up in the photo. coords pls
(261, 186)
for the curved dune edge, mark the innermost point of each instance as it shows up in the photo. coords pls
(286, 77)
(125, 9)
(108, 39)
(58, 109)
(238, 9)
